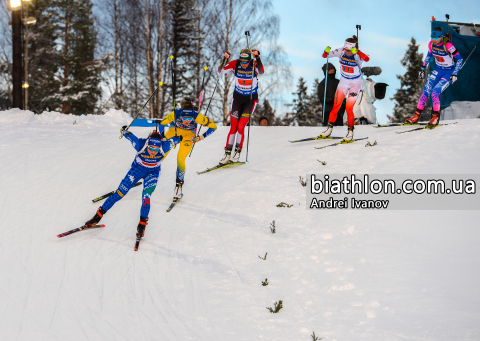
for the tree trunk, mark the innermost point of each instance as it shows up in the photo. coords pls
(116, 45)
(149, 57)
(17, 101)
(65, 57)
(226, 85)
(160, 60)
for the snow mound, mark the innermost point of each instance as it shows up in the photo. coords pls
(461, 110)
(347, 275)
(113, 118)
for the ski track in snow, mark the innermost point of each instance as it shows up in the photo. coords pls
(351, 275)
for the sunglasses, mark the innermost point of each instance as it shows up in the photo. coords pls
(244, 63)
(187, 119)
(154, 149)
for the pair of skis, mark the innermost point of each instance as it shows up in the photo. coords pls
(83, 228)
(328, 138)
(172, 205)
(425, 127)
(399, 125)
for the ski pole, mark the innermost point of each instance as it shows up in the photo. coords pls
(202, 90)
(465, 62)
(208, 106)
(325, 94)
(173, 94)
(247, 34)
(200, 105)
(364, 84)
(121, 130)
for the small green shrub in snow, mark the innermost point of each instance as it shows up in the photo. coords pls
(278, 305)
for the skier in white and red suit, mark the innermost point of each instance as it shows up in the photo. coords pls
(350, 82)
(245, 98)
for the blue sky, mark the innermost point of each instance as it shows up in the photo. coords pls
(308, 26)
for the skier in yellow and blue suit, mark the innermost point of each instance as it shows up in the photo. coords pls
(186, 120)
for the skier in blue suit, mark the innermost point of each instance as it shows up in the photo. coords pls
(146, 165)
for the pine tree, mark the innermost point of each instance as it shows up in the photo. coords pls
(410, 86)
(267, 111)
(183, 46)
(5, 93)
(80, 89)
(43, 58)
(303, 112)
(63, 72)
(315, 103)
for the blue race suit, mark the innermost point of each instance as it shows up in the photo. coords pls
(146, 167)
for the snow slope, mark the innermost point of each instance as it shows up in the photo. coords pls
(347, 275)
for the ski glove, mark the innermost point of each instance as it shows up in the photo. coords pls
(195, 139)
(421, 75)
(124, 131)
(328, 49)
(353, 50)
(227, 55)
(256, 53)
(453, 78)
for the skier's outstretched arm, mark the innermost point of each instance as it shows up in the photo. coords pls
(455, 54)
(428, 57)
(168, 119)
(335, 53)
(136, 142)
(363, 56)
(168, 144)
(206, 122)
(259, 65)
(230, 67)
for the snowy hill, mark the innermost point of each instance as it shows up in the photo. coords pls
(347, 275)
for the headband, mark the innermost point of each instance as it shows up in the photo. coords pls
(437, 34)
(348, 45)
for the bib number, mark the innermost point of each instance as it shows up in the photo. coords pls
(440, 59)
(245, 82)
(348, 69)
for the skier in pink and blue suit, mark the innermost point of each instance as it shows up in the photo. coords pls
(448, 62)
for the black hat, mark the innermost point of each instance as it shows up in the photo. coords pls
(330, 66)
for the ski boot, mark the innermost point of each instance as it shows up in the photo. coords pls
(177, 194)
(349, 136)
(327, 132)
(236, 156)
(434, 121)
(414, 119)
(226, 157)
(141, 227)
(96, 218)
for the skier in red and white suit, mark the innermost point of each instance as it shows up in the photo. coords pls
(245, 98)
(350, 82)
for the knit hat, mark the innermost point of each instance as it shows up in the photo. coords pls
(186, 104)
(330, 67)
(154, 142)
(245, 55)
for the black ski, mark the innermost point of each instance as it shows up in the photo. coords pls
(399, 125)
(341, 142)
(83, 228)
(137, 243)
(317, 138)
(105, 196)
(175, 201)
(426, 127)
(221, 166)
